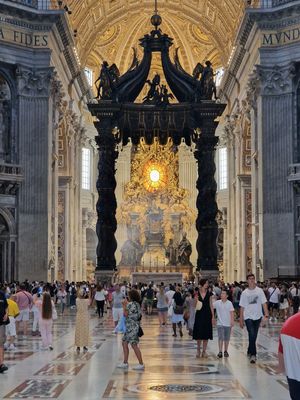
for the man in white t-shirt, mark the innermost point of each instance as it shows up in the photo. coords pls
(274, 294)
(252, 301)
(170, 294)
(225, 321)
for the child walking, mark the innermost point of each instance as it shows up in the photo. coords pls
(225, 321)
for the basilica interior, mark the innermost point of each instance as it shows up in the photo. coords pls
(52, 58)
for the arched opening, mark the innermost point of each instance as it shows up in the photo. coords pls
(7, 248)
(5, 121)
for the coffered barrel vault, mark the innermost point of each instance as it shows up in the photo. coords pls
(203, 29)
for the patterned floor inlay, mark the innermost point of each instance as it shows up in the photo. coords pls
(177, 388)
(73, 356)
(157, 389)
(60, 369)
(183, 369)
(38, 389)
(17, 355)
(172, 369)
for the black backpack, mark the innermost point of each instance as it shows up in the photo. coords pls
(150, 294)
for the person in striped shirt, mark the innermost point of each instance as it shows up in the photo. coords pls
(289, 354)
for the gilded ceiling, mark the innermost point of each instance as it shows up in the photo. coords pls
(108, 29)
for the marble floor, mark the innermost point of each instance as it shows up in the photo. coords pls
(172, 371)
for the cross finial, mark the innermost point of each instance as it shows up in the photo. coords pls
(156, 19)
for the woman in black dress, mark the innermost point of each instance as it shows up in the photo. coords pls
(204, 319)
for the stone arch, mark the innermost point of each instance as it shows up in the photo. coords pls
(9, 219)
(7, 246)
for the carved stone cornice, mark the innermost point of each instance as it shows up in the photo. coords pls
(276, 80)
(34, 82)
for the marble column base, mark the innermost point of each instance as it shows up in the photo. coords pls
(104, 275)
(211, 275)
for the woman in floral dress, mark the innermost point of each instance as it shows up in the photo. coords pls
(133, 315)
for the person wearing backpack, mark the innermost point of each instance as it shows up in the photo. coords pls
(149, 299)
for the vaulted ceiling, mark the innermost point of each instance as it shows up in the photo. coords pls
(108, 29)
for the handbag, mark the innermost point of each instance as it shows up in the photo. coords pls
(7, 322)
(186, 315)
(54, 313)
(170, 311)
(199, 305)
(140, 332)
(178, 309)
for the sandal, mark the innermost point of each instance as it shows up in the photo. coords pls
(204, 354)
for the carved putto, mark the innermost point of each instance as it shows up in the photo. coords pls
(157, 94)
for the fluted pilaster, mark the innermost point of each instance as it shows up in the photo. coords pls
(34, 157)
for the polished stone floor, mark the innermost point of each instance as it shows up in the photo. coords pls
(172, 371)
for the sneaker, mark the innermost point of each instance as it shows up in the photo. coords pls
(253, 359)
(78, 349)
(139, 367)
(123, 365)
(50, 348)
(85, 348)
(6, 346)
(3, 368)
(12, 347)
(226, 354)
(220, 354)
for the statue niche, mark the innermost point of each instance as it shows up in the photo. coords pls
(5, 121)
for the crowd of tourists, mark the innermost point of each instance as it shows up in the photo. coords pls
(191, 308)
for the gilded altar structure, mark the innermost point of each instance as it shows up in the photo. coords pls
(155, 211)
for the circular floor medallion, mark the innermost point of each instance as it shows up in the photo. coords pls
(180, 388)
(176, 388)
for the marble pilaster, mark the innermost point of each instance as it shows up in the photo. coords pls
(34, 156)
(187, 180)
(275, 130)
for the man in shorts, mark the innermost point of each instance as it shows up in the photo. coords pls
(3, 318)
(25, 301)
(117, 304)
(225, 321)
(13, 312)
(149, 299)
